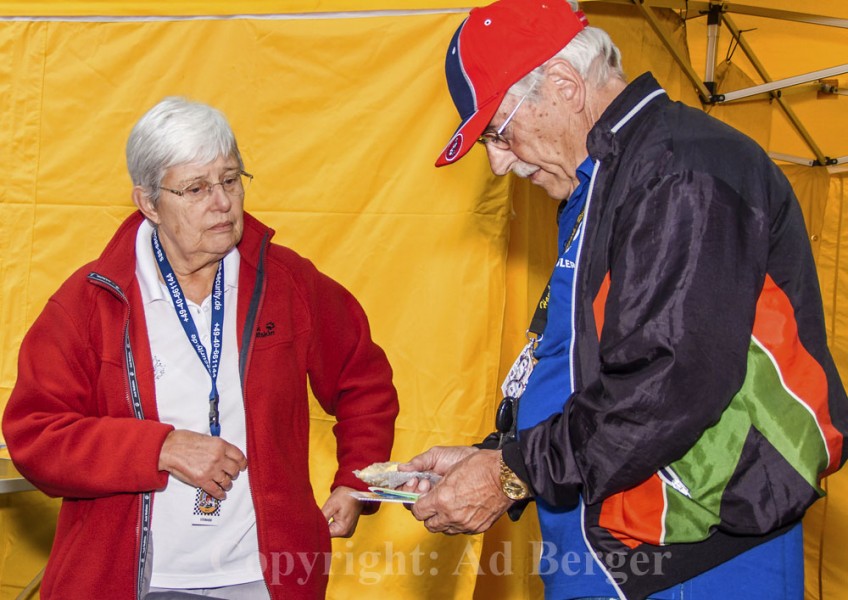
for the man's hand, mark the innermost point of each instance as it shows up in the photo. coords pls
(438, 459)
(468, 499)
(203, 461)
(342, 512)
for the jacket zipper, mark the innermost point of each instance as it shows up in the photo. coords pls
(248, 338)
(673, 479)
(134, 401)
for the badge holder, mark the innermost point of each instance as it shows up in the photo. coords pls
(506, 419)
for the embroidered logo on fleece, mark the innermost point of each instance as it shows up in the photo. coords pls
(267, 331)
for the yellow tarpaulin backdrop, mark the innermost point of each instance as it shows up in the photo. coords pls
(339, 116)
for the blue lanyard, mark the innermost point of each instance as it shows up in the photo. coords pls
(210, 362)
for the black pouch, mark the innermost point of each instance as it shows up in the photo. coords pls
(506, 420)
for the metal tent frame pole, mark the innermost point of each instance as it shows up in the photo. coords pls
(780, 84)
(703, 6)
(717, 11)
(682, 62)
(713, 27)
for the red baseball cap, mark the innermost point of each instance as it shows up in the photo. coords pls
(496, 46)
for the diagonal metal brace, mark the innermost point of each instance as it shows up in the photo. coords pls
(821, 159)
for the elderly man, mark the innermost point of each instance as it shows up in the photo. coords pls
(683, 404)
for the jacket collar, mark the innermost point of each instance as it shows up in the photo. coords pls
(117, 261)
(606, 137)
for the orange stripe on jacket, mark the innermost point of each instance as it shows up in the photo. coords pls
(644, 503)
(776, 329)
(635, 516)
(600, 302)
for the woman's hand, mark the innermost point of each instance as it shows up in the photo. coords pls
(203, 461)
(342, 512)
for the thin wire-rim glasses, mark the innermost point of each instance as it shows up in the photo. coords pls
(494, 137)
(232, 184)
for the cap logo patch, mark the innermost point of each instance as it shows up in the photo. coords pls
(453, 148)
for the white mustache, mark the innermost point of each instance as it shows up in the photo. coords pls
(523, 169)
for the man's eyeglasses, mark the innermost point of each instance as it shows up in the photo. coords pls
(232, 184)
(494, 138)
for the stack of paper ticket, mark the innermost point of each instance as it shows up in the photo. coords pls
(379, 494)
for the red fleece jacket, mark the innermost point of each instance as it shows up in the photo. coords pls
(73, 431)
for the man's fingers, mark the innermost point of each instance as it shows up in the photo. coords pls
(422, 509)
(432, 525)
(418, 486)
(422, 462)
(438, 524)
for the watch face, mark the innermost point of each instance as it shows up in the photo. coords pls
(514, 490)
(512, 486)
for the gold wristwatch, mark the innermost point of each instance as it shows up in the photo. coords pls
(511, 485)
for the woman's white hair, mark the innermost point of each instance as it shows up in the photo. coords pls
(174, 132)
(591, 52)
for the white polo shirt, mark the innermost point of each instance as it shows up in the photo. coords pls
(192, 549)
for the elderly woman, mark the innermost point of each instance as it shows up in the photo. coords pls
(162, 392)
